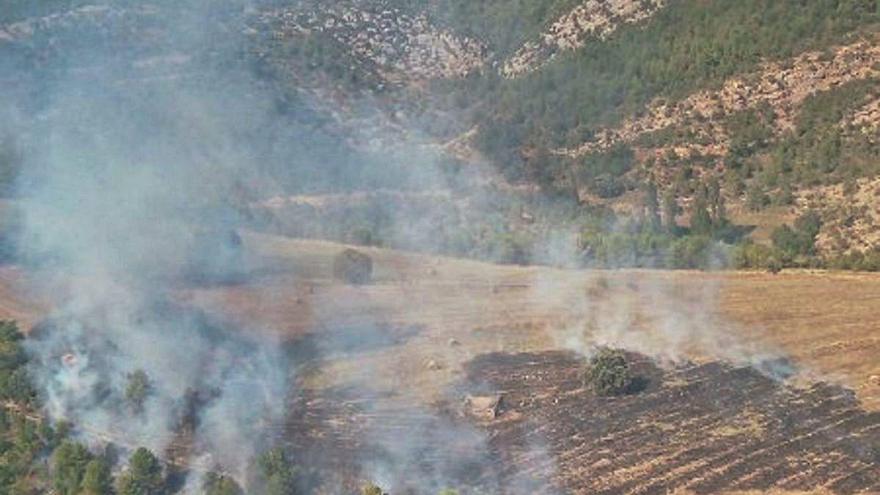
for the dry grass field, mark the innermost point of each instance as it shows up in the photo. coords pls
(824, 322)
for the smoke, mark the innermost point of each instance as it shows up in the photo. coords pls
(137, 158)
(671, 317)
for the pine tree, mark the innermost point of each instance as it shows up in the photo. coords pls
(97, 479)
(144, 475)
(137, 390)
(671, 210)
(714, 199)
(701, 219)
(68, 467)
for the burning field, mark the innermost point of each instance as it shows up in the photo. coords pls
(483, 388)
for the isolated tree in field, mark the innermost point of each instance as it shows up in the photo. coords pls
(97, 479)
(608, 373)
(69, 467)
(220, 484)
(137, 390)
(144, 475)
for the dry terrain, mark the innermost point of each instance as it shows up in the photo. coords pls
(809, 316)
(749, 376)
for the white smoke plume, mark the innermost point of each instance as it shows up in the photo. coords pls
(134, 160)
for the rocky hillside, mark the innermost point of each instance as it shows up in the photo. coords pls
(781, 87)
(404, 47)
(773, 101)
(589, 20)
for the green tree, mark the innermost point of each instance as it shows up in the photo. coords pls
(609, 373)
(279, 473)
(799, 241)
(69, 467)
(756, 198)
(652, 207)
(137, 390)
(701, 219)
(671, 210)
(715, 199)
(97, 479)
(220, 484)
(12, 355)
(144, 475)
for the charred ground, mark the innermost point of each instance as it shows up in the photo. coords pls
(702, 428)
(707, 428)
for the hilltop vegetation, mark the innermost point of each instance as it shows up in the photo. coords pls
(682, 95)
(687, 46)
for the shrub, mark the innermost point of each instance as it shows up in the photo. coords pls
(371, 489)
(774, 265)
(607, 186)
(690, 252)
(749, 255)
(608, 373)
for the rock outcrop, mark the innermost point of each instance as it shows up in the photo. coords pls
(592, 19)
(407, 47)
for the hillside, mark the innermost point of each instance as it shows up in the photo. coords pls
(441, 247)
(590, 103)
(771, 99)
